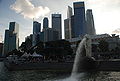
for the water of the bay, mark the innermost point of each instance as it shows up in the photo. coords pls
(35, 75)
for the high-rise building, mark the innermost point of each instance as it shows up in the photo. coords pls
(6, 42)
(57, 23)
(14, 27)
(50, 34)
(90, 22)
(36, 27)
(42, 35)
(36, 32)
(11, 40)
(69, 12)
(1, 49)
(45, 23)
(67, 24)
(14, 34)
(79, 19)
(72, 27)
(67, 31)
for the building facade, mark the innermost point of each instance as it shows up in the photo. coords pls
(90, 23)
(50, 34)
(42, 35)
(57, 23)
(11, 40)
(79, 19)
(72, 27)
(6, 42)
(113, 41)
(36, 32)
(36, 27)
(14, 34)
(69, 12)
(45, 23)
(66, 29)
(1, 49)
(67, 24)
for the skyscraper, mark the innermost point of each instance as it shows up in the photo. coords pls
(36, 32)
(67, 24)
(11, 40)
(1, 49)
(36, 27)
(69, 12)
(72, 27)
(14, 35)
(45, 23)
(42, 35)
(90, 22)
(67, 31)
(6, 42)
(57, 24)
(79, 19)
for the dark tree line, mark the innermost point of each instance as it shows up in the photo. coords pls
(52, 48)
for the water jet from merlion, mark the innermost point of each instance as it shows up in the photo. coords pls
(83, 60)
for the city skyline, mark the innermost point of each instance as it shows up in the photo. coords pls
(102, 12)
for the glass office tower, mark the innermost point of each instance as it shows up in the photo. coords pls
(11, 40)
(45, 23)
(36, 32)
(57, 24)
(90, 22)
(79, 19)
(67, 24)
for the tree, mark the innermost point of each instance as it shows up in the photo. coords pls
(39, 47)
(94, 48)
(23, 47)
(58, 48)
(103, 46)
(15, 52)
(28, 43)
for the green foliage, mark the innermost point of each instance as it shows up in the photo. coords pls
(39, 47)
(94, 48)
(52, 48)
(15, 52)
(103, 46)
(25, 46)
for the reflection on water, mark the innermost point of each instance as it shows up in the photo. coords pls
(34, 75)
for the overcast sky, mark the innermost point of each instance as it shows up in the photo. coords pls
(106, 14)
